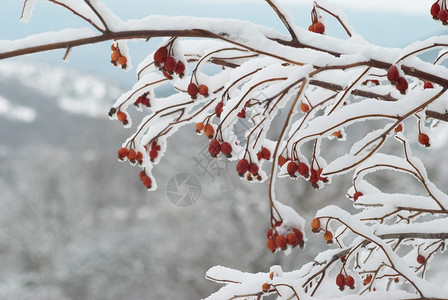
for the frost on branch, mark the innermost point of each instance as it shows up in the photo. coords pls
(326, 88)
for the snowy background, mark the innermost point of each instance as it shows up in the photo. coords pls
(75, 224)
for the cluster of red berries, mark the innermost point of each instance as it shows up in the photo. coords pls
(215, 147)
(293, 237)
(316, 227)
(146, 180)
(143, 100)
(130, 154)
(243, 166)
(193, 90)
(264, 153)
(117, 58)
(394, 77)
(317, 27)
(423, 139)
(155, 148)
(342, 281)
(208, 129)
(439, 14)
(164, 59)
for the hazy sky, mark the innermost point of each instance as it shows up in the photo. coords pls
(392, 23)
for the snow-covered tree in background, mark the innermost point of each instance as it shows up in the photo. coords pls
(326, 88)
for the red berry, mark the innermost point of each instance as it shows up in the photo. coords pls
(203, 90)
(303, 169)
(435, 9)
(281, 241)
(349, 281)
(319, 28)
(122, 153)
(121, 116)
(219, 108)
(299, 235)
(153, 154)
(242, 114)
(304, 107)
(421, 259)
(399, 128)
(160, 55)
(147, 182)
(340, 281)
(253, 169)
(193, 90)
(170, 64)
(292, 168)
(180, 68)
(402, 84)
(145, 101)
(265, 153)
(242, 166)
(132, 155)
(259, 157)
(214, 148)
(443, 15)
(269, 233)
(292, 240)
(226, 149)
(428, 85)
(313, 177)
(271, 245)
(392, 73)
(357, 195)
(142, 174)
(139, 157)
(423, 139)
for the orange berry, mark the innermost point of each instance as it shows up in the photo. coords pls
(328, 236)
(281, 241)
(209, 131)
(199, 127)
(132, 155)
(292, 168)
(367, 280)
(271, 275)
(121, 116)
(337, 134)
(139, 157)
(311, 28)
(291, 239)
(315, 225)
(319, 28)
(115, 55)
(122, 153)
(304, 107)
(122, 60)
(113, 48)
(271, 245)
(147, 182)
(281, 161)
(399, 128)
(203, 90)
(265, 287)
